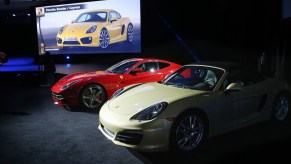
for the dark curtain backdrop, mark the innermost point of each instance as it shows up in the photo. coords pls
(281, 57)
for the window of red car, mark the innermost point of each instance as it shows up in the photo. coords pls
(148, 66)
(163, 65)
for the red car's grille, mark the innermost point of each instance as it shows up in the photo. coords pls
(57, 96)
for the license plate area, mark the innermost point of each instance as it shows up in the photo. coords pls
(71, 39)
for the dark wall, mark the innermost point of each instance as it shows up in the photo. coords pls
(224, 30)
(179, 31)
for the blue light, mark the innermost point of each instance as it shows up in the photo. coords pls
(68, 57)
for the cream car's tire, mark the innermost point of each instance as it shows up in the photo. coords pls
(92, 96)
(104, 38)
(281, 107)
(188, 132)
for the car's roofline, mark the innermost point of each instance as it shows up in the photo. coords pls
(150, 59)
(228, 66)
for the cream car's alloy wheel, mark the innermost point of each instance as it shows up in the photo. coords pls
(281, 107)
(189, 132)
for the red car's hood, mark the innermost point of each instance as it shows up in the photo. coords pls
(85, 75)
(78, 76)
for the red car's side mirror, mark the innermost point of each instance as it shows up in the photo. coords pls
(137, 70)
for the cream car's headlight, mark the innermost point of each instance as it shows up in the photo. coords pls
(70, 84)
(150, 112)
(91, 29)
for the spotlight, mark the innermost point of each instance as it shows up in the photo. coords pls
(13, 15)
(28, 15)
(68, 57)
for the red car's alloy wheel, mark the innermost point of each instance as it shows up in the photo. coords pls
(92, 96)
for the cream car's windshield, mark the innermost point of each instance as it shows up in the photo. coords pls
(121, 67)
(92, 17)
(195, 77)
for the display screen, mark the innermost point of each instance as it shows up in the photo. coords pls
(111, 26)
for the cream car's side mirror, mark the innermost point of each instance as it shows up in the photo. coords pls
(233, 87)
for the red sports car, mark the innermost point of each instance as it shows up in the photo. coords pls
(91, 89)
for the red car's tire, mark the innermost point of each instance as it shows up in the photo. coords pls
(92, 96)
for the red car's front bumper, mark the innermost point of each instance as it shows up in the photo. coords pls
(65, 100)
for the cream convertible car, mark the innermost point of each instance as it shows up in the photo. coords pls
(196, 102)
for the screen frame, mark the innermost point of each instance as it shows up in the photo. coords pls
(51, 4)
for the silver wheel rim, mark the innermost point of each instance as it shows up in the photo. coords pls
(282, 108)
(104, 38)
(93, 96)
(130, 32)
(189, 133)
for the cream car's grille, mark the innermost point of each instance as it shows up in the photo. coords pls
(133, 137)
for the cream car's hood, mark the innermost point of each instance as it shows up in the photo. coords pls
(143, 96)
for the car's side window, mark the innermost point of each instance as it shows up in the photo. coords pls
(148, 66)
(240, 77)
(112, 14)
(163, 65)
(118, 16)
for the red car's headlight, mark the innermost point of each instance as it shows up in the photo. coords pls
(70, 84)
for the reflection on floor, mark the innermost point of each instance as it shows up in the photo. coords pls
(19, 64)
(27, 64)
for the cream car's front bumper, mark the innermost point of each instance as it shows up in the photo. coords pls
(150, 135)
